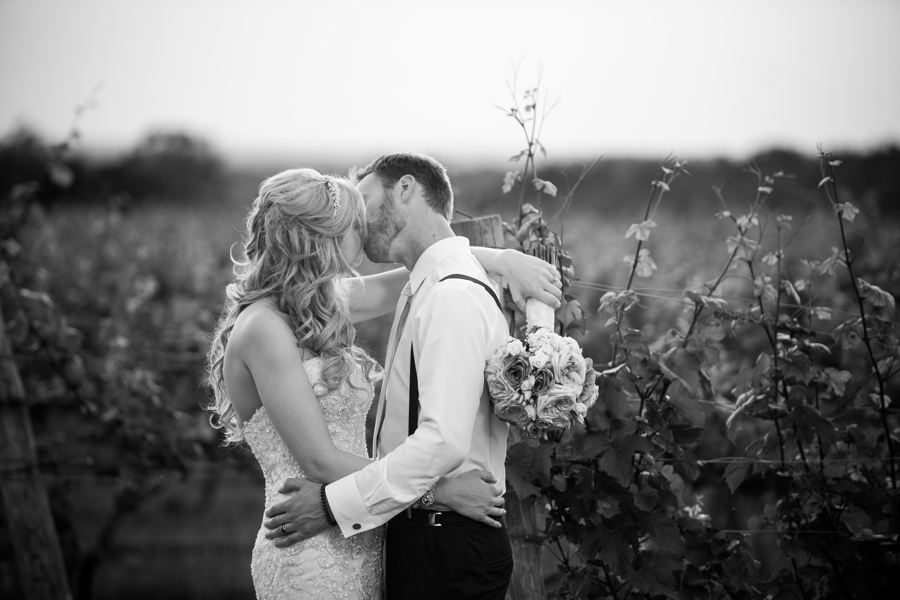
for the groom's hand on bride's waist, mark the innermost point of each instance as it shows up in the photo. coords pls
(299, 517)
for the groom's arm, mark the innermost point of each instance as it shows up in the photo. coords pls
(453, 328)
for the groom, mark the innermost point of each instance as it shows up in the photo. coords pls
(434, 417)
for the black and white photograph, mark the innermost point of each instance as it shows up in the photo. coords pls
(471, 300)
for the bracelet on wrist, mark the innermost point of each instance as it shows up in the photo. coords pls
(427, 498)
(325, 508)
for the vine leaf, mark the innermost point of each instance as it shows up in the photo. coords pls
(609, 547)
(837, 380)
(875, 295)
(612, 403)
(682, 399)
(571, 315)
(525, 464)
(665, 532)
(616, 457)
(797, 367)
(736, 472)
(545, 187)
(681, 365)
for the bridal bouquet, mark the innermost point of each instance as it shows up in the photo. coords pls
(543, 383)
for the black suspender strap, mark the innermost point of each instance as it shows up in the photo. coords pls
(487, 288)
(413, 393)
(414, 377)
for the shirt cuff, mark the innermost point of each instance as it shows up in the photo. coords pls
(348, 507)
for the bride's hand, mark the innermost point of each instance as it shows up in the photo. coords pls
(529, 277)
(474, 494)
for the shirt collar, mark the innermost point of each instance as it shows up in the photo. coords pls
(433, 256)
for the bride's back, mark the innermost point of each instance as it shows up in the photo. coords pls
(242, 389)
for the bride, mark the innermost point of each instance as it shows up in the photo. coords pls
(289, 380)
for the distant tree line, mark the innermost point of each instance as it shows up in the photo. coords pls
(873, 178)
(163, 165)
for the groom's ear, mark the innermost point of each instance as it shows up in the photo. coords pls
(404, 189)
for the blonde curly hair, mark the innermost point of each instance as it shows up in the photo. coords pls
(292, 254)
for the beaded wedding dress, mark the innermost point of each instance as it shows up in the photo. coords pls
(327, 566)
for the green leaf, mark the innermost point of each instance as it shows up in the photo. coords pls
(687, 406)
(571, 315)
(634, 340)
(837, 380)
(707, 352)
(681, 365)
(559, 482)
(645, 499)
(640, 231)
(875, 295)
(612, 402)
(525, 464)
(616, 460)
(823, 426)
(797, 367)
(530, 221)
(685, 434)
(615, 552)
(736, 472)
(545, 187)
(591, 445)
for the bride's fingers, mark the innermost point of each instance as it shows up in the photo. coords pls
(518, 298)
(549, 298)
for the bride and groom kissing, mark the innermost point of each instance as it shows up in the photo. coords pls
(420, 518)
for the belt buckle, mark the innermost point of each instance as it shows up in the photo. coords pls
(431, 519)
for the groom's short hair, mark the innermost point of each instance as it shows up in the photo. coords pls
(430, 174)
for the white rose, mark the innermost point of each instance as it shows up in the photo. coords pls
(539, 359)
(515, 346)
(527, 383)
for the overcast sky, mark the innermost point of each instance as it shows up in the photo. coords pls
(352, 79)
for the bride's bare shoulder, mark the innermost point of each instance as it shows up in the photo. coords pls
(262, 324)
(261, 321)
(264, 309)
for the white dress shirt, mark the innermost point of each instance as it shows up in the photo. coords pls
(453, 326)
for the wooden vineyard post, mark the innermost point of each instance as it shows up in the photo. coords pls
(482, 231)
(522, 525)
(521, 516)
(38, 554)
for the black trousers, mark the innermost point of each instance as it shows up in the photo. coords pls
(445, 556)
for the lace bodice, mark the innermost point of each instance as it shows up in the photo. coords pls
(345, 413)
(328, 565)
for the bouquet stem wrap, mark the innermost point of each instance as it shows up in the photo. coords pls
(538, 314)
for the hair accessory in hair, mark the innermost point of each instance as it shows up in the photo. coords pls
(335, 193)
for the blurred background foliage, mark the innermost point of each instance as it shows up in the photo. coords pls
(116, 273)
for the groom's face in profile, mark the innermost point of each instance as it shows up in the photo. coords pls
(383, 221)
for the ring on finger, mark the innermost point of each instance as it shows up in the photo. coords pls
(283, 530)
(555, 280)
